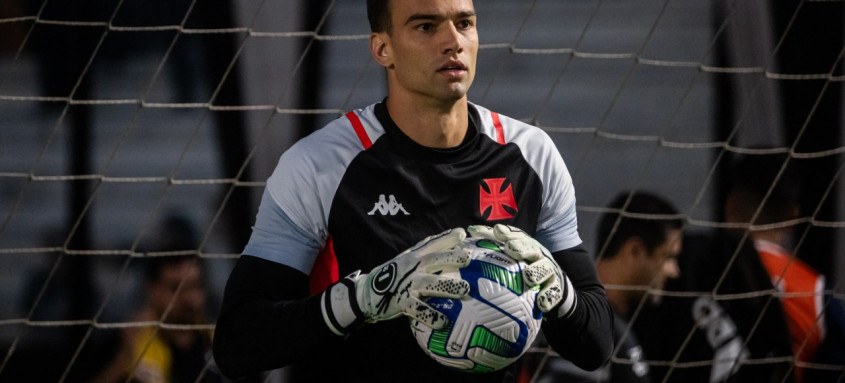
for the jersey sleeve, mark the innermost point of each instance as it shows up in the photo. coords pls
(268, 317)
(557, 224)
(291, 226)
(275, 237)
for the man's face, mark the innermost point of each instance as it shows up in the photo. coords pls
(431, 48)
(662, 263)
(188, 307)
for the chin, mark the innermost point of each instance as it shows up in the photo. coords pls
(455, 94)
(655, 299)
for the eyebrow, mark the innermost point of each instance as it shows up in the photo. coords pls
(425, 16)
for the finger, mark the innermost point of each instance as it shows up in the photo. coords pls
(432, 285)
(527, 249)
(481, 231)
(454, 258)
(425, 314)
(539, 272)
(438, 242)
(507, 233)
(549, 296)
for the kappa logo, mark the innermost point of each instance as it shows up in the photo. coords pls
(388, 206)
(497, 199)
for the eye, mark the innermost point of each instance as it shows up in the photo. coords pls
(465, 24)
(425, 27)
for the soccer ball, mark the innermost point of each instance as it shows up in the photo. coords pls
(494, 324)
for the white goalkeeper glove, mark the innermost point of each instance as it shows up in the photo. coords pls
(556, 296)
(398, 286)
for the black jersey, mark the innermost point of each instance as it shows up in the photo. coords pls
(361, 182)
(358, 192)
(742, 339)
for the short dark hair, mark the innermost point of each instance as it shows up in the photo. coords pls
(752, 176)
(154, 266)
(176, 233)
(652, 231)
(378, 13)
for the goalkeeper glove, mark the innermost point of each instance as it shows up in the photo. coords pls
(398, 286)
(556, 296)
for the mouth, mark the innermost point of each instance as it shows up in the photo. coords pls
(453, 66)
(454, 71)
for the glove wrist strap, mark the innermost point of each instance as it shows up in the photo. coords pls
(340, 306)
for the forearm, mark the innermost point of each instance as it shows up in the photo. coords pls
(267, 320)
(586, 336)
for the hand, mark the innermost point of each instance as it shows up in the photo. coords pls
(398, 286)
(556, 296)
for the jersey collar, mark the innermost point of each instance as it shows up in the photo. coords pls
(405, 145)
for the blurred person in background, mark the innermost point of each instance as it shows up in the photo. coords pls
(175, 290)
(638, 244)
(758, 313)
(764, 192)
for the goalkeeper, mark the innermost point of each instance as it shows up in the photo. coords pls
(337, 260)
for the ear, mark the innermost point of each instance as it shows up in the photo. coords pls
(380, 49)
(633, 249)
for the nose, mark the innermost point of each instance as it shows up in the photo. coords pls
(195, 298)
(452, 39)
(671, 269)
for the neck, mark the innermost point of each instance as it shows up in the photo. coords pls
(779, 237)
(433, 125)
(609, 275)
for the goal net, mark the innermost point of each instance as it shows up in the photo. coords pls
(133, 132)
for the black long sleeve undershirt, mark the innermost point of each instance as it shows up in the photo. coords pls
(268, 321)
(585, 338)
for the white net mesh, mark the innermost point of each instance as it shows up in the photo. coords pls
(119, 116)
